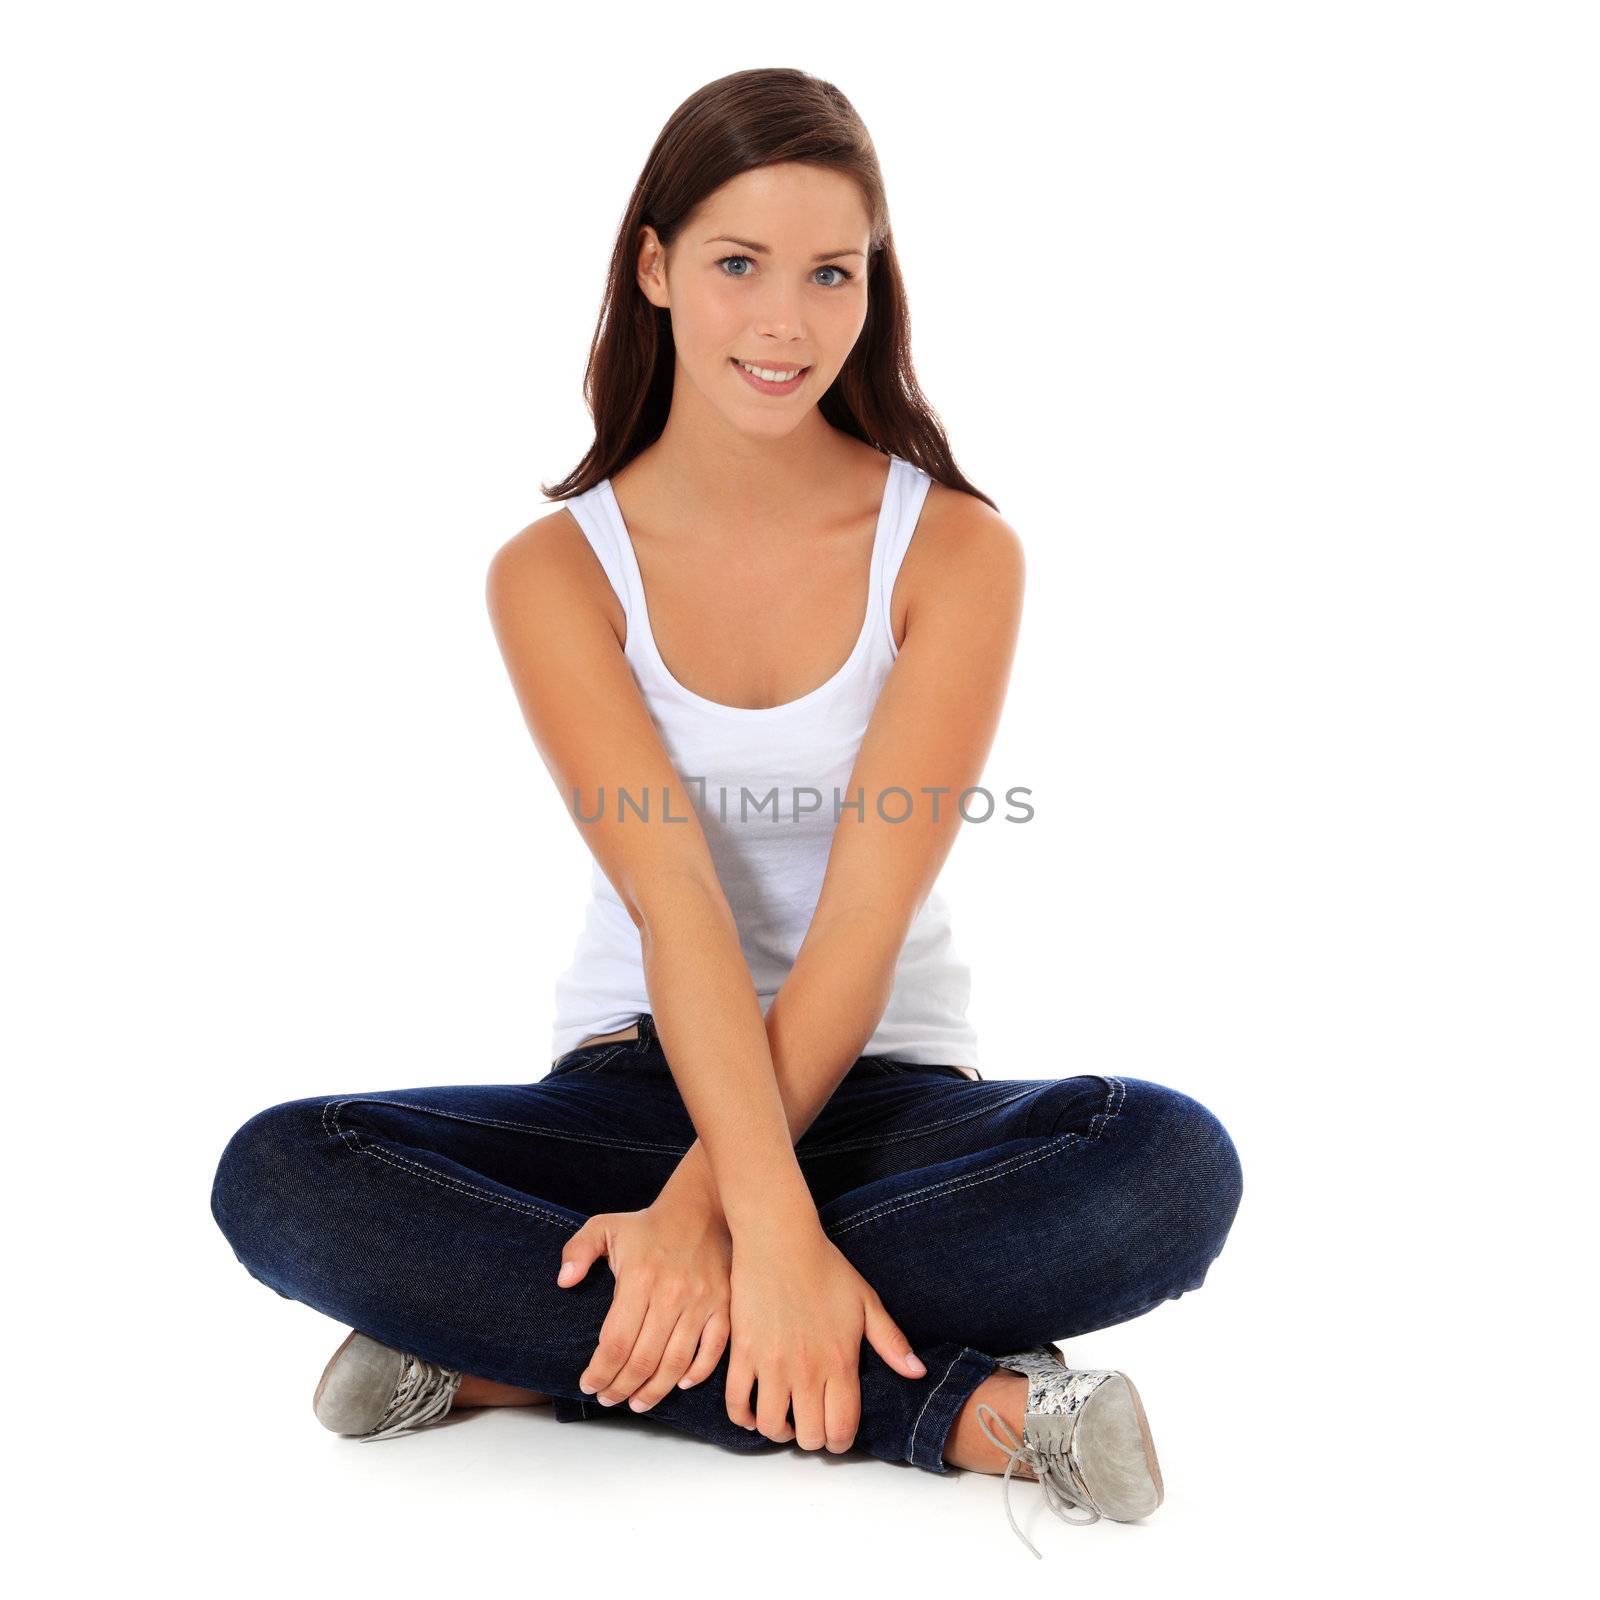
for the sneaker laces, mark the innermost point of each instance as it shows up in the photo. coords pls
(1053, 1474)
(425, 1392)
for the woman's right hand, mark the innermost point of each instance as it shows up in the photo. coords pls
(672, 1263)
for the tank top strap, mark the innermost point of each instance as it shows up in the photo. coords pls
(907, 490)
(605, 538)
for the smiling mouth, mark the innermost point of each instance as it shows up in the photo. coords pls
(769, 374)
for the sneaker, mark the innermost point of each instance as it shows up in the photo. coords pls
(369, 1391)
(1085, 1437)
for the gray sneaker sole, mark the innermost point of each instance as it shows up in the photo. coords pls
(357, 1385)
(1114, 1453)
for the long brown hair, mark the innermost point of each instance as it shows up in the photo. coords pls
(745, 120)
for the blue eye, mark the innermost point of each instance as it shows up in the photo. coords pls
(844, 276)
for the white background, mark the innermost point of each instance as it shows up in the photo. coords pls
(1271, 328)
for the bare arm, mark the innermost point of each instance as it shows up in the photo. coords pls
(933, 726)
(557, 624)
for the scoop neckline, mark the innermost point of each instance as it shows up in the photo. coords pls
(719, 707)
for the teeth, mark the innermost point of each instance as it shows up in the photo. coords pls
(771, 374)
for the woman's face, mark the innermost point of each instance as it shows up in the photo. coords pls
(769, 270)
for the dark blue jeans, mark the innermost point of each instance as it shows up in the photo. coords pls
(989, 1216)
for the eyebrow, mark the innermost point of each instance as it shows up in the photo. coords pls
(764, 250)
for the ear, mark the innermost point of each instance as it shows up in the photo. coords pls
(651, 267)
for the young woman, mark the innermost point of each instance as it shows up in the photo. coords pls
(763, 1194)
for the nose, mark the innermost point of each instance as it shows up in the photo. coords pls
(779, 319)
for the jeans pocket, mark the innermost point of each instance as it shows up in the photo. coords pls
(589, 1058)
(939, 1068)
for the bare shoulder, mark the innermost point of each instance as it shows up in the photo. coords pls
(550, 562)
(964, 554)
(957, 526)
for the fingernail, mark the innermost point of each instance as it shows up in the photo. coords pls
(566, 1272)
(636, 1405)
(605, 1402)
(915, 1366)
(683, 1383)
(587, 1389)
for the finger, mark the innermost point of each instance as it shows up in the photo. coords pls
(648, 1351)
(772, 1405)
(842, 1409)
(806, 1404)
(713, 1341)
(618, 1335)
(736, 1392)
(884, 1334)
(645, 1356)
(674, 1363)
(578, 1254)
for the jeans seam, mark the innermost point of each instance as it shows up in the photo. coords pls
(911, 1451)
(911, 1454)
(515, 1127)
(878, 1142)
(1116, 1093)
(947, 1186)
(331, 1110)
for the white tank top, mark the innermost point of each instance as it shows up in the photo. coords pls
(769, 845)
